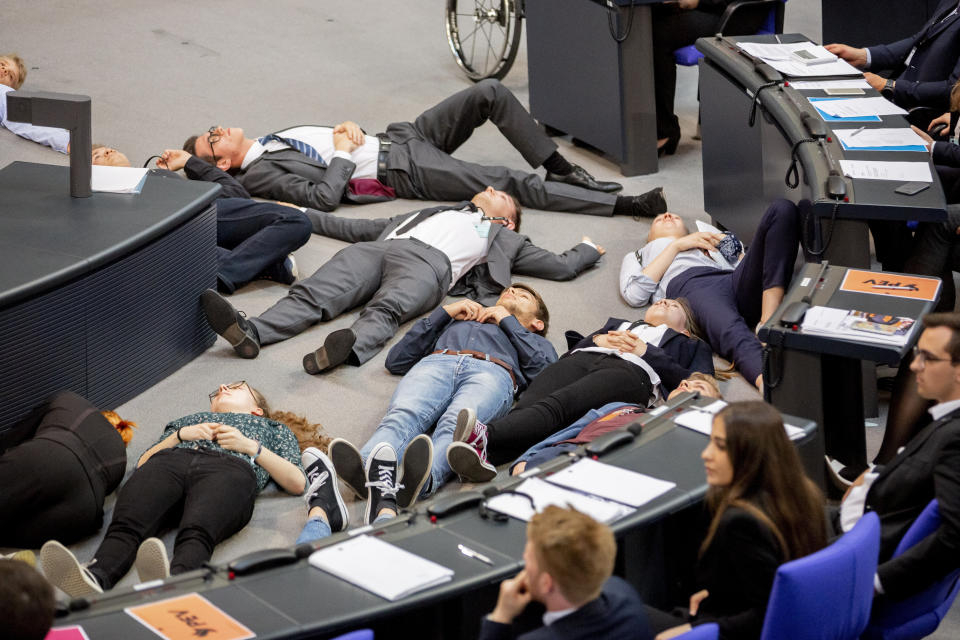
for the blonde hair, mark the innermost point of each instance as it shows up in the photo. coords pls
(21, 68)
(710, 380)
(577, 551)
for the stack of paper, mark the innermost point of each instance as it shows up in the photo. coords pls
(779, 56)
(610, 482)
(857, 107)
(117, 179)
(881, 139)
(857, 325)
(847, 83)
(700, 419)
(875, 170)
(362, 561)
(543, 494)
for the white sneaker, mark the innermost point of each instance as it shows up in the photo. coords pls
(64, 571)
(152, 563)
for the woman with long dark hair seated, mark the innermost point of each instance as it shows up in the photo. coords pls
(765, 512)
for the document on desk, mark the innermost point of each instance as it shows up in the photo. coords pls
(544, 494)
(813, 85)
(779, 56)
(848, 324)
(610, 482)
(876, 170)
(855, 107)
(117, 179)
(700, 419)
(380, 567)
(882, 139)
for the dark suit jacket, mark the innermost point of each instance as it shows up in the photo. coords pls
(946, 154)
(675, 359)
(508, 252)
(927, 468)
(616, 615)
(738, 569)
(290, 176)
(935, 66)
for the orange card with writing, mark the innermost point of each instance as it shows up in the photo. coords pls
(891, 284)
(187, 618)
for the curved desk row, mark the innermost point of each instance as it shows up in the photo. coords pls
(99, 295)
(745, 167)
(298, 600)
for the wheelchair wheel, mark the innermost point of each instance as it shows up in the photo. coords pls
(484, 36)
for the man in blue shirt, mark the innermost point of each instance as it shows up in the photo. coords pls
(461, 355)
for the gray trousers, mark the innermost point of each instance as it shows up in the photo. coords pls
(420, 166)
(397, 280)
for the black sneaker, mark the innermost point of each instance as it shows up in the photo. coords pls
(349, 465)
(381, 481)
(334, 352)
(284, 272)
(230, 323)
(415, 470)
(323, 491)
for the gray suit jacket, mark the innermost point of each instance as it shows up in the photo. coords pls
(508, 252)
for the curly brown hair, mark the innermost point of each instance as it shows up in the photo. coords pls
(309, 434)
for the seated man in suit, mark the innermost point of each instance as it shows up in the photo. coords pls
(568, 562)
(399, 267)
(254, 239)
(927, 467)
(12, 74)
(925, 66)
(320, 167)
(461, 355)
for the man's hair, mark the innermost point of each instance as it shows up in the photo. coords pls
(542, 313)
(950, 321)
(519, 213)
(190, 146)
(21, 68)
(577, 551)
(26, 601)
(710, 380)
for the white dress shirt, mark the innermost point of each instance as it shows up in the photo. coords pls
(321, 139)
(460, 234)
(638, 289)
(650, 335)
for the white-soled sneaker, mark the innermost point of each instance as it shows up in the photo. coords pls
(152, 562)
(382, 485)
(323, 491)
(64, 571)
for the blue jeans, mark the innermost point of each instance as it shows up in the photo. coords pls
(433, 392)
(317, 529)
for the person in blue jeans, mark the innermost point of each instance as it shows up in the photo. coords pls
(461, 355)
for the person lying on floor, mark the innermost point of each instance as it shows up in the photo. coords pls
(621, 362)
(205, 473)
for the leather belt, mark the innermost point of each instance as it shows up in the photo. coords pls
(480, 356)
(385, 144)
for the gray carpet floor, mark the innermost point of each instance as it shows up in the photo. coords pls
(159, 72)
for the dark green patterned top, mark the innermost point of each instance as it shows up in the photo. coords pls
(273, 435)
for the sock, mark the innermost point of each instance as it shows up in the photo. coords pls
(557, 164)
(623, 206)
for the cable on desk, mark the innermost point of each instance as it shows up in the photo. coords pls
(806, 223)
(756, 100)
(772, 358)
(793, 171)
(613, 29)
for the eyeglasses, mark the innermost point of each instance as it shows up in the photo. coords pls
(213, 137)
(232, 386)
(922, 357)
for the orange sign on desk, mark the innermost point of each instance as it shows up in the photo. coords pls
(187, 618)
(891, 284)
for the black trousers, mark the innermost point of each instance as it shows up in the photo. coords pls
(208, 496)
(54, 488)
(936, 252)
(560, 395)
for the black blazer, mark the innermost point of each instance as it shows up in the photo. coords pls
(738, 569)
(927, 468)
(675, 359)
(617, 614)
(935, 65)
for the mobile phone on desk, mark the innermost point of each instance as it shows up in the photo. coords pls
(911, 188)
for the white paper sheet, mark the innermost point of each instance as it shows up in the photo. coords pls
(882, 137)
(545, 494)
(850, 83)
(778, 57)
(117, 179)
(853, 107)
(701, 420)
(902, 171)
(610, 482)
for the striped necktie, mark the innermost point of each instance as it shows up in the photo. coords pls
(300, 146)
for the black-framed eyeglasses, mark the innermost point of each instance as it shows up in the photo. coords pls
(922, 357)
(232, 385)
(213, 137)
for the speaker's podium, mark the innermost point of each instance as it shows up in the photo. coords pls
(813, 369)
(99, 295)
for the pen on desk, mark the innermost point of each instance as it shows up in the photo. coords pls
(857, 131)
(470, 553)
(891, 286)
(778, 38)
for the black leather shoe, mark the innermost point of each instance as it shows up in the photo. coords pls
(580, 178)
(670, 146)
(649, 204)
(230, 323)
(334, 352)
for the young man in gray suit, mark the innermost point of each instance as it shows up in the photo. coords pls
(399, 267)
(320, 167)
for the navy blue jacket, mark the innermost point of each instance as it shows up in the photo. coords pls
(934, 67)
(617, 614)
(526, 352)
(675, 359)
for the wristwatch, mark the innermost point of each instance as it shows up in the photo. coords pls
(887, 91)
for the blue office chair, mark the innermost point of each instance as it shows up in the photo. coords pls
(362, 634)
(701, 632)
(689, 56)
(918, 615)
(828, 593)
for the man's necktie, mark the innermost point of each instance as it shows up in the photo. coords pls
(426, 213)
(300, 146)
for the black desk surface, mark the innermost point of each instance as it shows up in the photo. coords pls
(299, 599)
(48, 238)
(866, 199)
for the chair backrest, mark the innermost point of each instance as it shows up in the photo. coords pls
(361, 634)
(688, 56)
(709, 631)
(830, 591)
